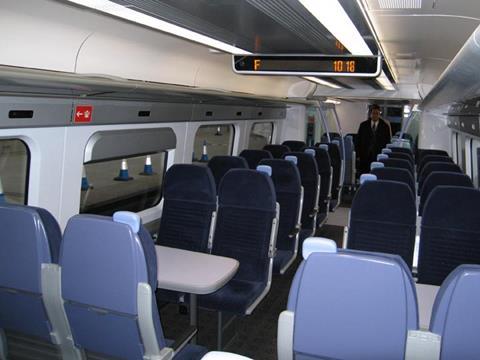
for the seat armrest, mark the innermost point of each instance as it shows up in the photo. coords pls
(295, 231)
(286, 322)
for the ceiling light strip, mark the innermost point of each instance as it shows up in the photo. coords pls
(332, 15)
(123, 12)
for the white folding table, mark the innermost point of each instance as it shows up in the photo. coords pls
(193, 273)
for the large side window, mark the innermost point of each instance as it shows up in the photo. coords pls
(260, 135)
(212, 140)
(14, 170)
(106, 188)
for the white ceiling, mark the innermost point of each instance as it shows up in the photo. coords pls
(420, 43)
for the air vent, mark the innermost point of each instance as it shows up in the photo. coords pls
(400, 4)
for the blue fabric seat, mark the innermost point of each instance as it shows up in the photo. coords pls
(277, 151)
(109, 277)
(424, 152)
(295, 145)
(30, 238)
(336, 162)
(449, 232)
(399, 163)
(325, 171)
(395, 174)
(246, 214)
(383, 219)
(400, 155)
(308, 169)
(399, 149)
(436, 166)
(350, 159)
(288, 190)
(432, 158)
(329, 323)
(455, 314)
(254, 157)
(220, 165)
(190, 199)
(438, 178)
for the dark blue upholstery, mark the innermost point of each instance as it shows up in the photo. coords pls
(325, 171)
(307, 166)
(450, 232)
(455, 314)
(432, 158)
(425, 152)
(336, 162)
(103, 261)
(190, 198)
(287, 182)
(399, 163)
(400, 155)
(219, 165)
(246, 209)
(438, 178)
(401, 150)
(295, 145)
(436, 166)
(254, 157)
(349, 160)
(395, 174)
(277, 151)
(383, 218)
(363, 315)
(30, 237)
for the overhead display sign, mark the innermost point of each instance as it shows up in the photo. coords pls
(308, 65)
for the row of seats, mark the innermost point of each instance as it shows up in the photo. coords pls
(89, 292)
(323, 319)
(383, 217)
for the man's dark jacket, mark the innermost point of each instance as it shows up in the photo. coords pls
(370, 143)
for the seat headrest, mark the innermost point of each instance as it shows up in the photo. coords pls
(438, 211)
(386, 151)
(318, 244)
(294, 145)
(285, 175)
(103, 261)
(276, 150)
(336, 142)
(292, 159)
(384, 200)
(30, 236)
(310, 152)
(382, 156)
(375, 321)
(189, 182)
(367, 177)
(129, 218)
(307, 165)
(324, 147)
(376, 164)
(247, 188)
(265, 169)
(253, 157)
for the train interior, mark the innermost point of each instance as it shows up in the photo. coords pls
(158, 203)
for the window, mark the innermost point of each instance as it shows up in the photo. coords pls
(216, 139)
(260, 135)
(475, 162)
(103, 194)
(413, 127)
(461, 152)
(14, 166)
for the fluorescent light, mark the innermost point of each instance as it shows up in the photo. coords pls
(321, 82)
(332, 101)
(400, 4)
(332, 15)
(123, 12)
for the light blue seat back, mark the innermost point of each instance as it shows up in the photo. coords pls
(30, 237)
(456, 315)
(103, 261)
(365, 315)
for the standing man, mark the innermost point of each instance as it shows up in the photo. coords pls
(373, 135)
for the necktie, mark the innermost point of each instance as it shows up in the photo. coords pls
(374, 127)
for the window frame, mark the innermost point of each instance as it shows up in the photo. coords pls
(272, 123)
(27, 164)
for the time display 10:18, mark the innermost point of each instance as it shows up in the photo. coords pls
(343, 66)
